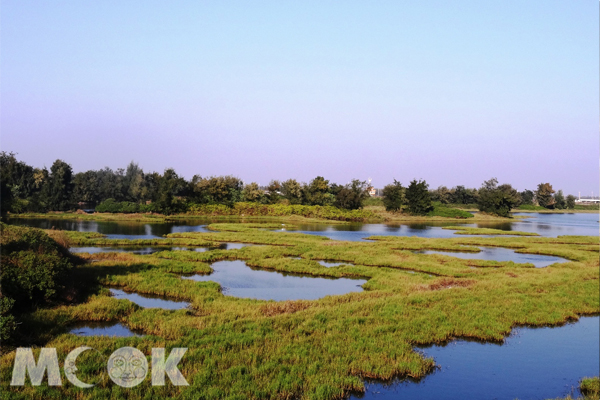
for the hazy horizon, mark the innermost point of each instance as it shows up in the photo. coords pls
(453, 93)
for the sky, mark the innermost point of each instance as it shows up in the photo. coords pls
(451, 92)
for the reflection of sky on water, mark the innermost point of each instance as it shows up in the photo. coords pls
(239, 280)
(501, 254)
(534, 363)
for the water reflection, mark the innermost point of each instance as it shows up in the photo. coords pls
(149, 301)
(93, 328)
(533, 363)
(548, 225)
(239, 280)
(133, 250)
(330, 264)
(501, 254)
(114, 229)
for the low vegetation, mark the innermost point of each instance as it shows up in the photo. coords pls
(320, 349)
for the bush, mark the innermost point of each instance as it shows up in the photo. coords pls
(34, 272)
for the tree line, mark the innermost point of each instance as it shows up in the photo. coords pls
(28, 189)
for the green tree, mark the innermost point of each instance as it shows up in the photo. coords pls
(418, 197)
(171, 187)
(60, 186)
(292, 191)
(352, 195)
(273, 194)
(252, 193)
(393, 196)
(441, 194)
(317, 192)
(217, 190)
(570, 202)
(559, 200)
(86, 187)
(499, 200)
(133, 183)
(527, 197)
(462, 195)
(543, 195)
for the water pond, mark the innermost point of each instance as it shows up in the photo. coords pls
(532, 363)
(93, 328)
(145, 250)
(548, 225)
(500, 254)
(149, 301)
(330, 264)
(114, 229)
(239, 280)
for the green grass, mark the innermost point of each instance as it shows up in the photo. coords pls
(320, 349)
(441, 210)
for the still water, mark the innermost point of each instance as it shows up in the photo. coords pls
(500, 254)
(549, 225)
(92, 328)
(239, 280)
(533, 363)
(145, 250)
(114, 230)
(149, 301)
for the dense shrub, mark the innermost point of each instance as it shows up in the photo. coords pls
(34, 272)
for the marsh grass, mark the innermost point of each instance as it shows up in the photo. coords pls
(318, 349)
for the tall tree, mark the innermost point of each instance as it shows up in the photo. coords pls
(418, 197)
(217, 189)
(441, 194)
(559, 200)
(352, 195)
(393, 196)
(170, 187)
(273, 193)
(133, 183)
(527, 197)
(496, 199)
(316, 193)
(570, 202)
(60, 186)
(543, 195)
(252, 193)
(292, 191)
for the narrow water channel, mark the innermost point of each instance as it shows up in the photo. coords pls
(149, 301)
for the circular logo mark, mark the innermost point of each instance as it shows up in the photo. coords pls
(127, 367)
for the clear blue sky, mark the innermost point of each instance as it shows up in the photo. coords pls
(453, 92)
